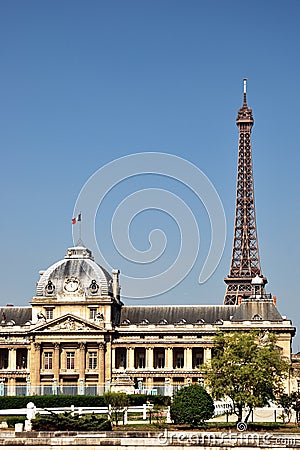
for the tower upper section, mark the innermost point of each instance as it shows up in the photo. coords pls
(245, 260)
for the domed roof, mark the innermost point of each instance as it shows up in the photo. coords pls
(77, 274)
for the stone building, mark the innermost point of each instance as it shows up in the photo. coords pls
(78, 337)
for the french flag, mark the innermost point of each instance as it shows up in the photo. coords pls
(76, 219)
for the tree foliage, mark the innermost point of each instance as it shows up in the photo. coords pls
(247, 368)
(118, 401)
(290, 402)
(192, 405)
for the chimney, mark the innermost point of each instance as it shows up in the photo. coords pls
(116, 286)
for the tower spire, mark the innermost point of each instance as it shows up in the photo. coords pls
(245, 261)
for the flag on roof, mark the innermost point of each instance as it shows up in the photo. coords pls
(76, 219)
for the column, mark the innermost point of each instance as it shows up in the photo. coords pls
(113, 358)
(101, 368)
(130, 358)
(107, 361)
(35, 364)
(188, 360)
(28, 359)
(56, 365)
(12, 362)
(169, 358)
(149, 358)
(207, 355)
(11, 386)
(82, 361)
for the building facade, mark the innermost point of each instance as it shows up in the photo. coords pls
(77, 336)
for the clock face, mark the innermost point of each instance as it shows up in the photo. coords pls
(71, 285)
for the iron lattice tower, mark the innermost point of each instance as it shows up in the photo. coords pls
(245, 261)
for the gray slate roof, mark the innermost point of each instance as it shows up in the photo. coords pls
(247, 310)
(263, 310)
(19, 314)
(173, 314)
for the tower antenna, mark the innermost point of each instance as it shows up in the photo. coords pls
(245, 92)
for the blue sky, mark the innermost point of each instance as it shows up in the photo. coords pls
(84, 83)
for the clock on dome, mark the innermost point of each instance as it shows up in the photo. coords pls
(71, 285)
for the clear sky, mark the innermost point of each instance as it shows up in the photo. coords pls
(85, 82)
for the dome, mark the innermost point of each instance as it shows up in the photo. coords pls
(76, 274)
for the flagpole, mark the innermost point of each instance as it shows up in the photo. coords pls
(80, 227)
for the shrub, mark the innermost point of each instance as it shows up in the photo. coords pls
(140, 399)
(12, 420)
(70, 422)
(192, 405)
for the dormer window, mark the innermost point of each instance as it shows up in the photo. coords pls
(200, 322)
(144, 322)
(256, 317)
(219, 322)
(126, 322)
(181, 322)
(163, 322)
(50, 288)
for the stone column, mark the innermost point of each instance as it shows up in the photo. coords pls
(207, 355)
(107, 360)
(56, 361)
(101, 367)
(35, 364)
(149, 358)
(12, 362)
(130, 358)
(28, 358)
(11, 386)
(169, 358)
(188, 362)
(113, 358)
(82, 361)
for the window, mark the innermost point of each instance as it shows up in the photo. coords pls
(70, 360)
(160, 360)
(179, 361)
(49, 314)
(48, 360)
(141, 361)
(198, 360)
(93, 312)
(92, 360)
(123, 360)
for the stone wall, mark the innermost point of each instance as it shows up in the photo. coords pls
(133, 440)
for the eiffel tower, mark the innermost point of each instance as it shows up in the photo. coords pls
(245, 261)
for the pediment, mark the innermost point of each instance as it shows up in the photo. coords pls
(68, 323)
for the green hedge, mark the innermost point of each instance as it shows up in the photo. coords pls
(51, 401)
(59, 401)
(140, 399)
(12, 420)
(69, 422)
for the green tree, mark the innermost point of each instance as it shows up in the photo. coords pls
(247, 368)
(286, 402)
(192, 405)
(118, 401)
(296, 404)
